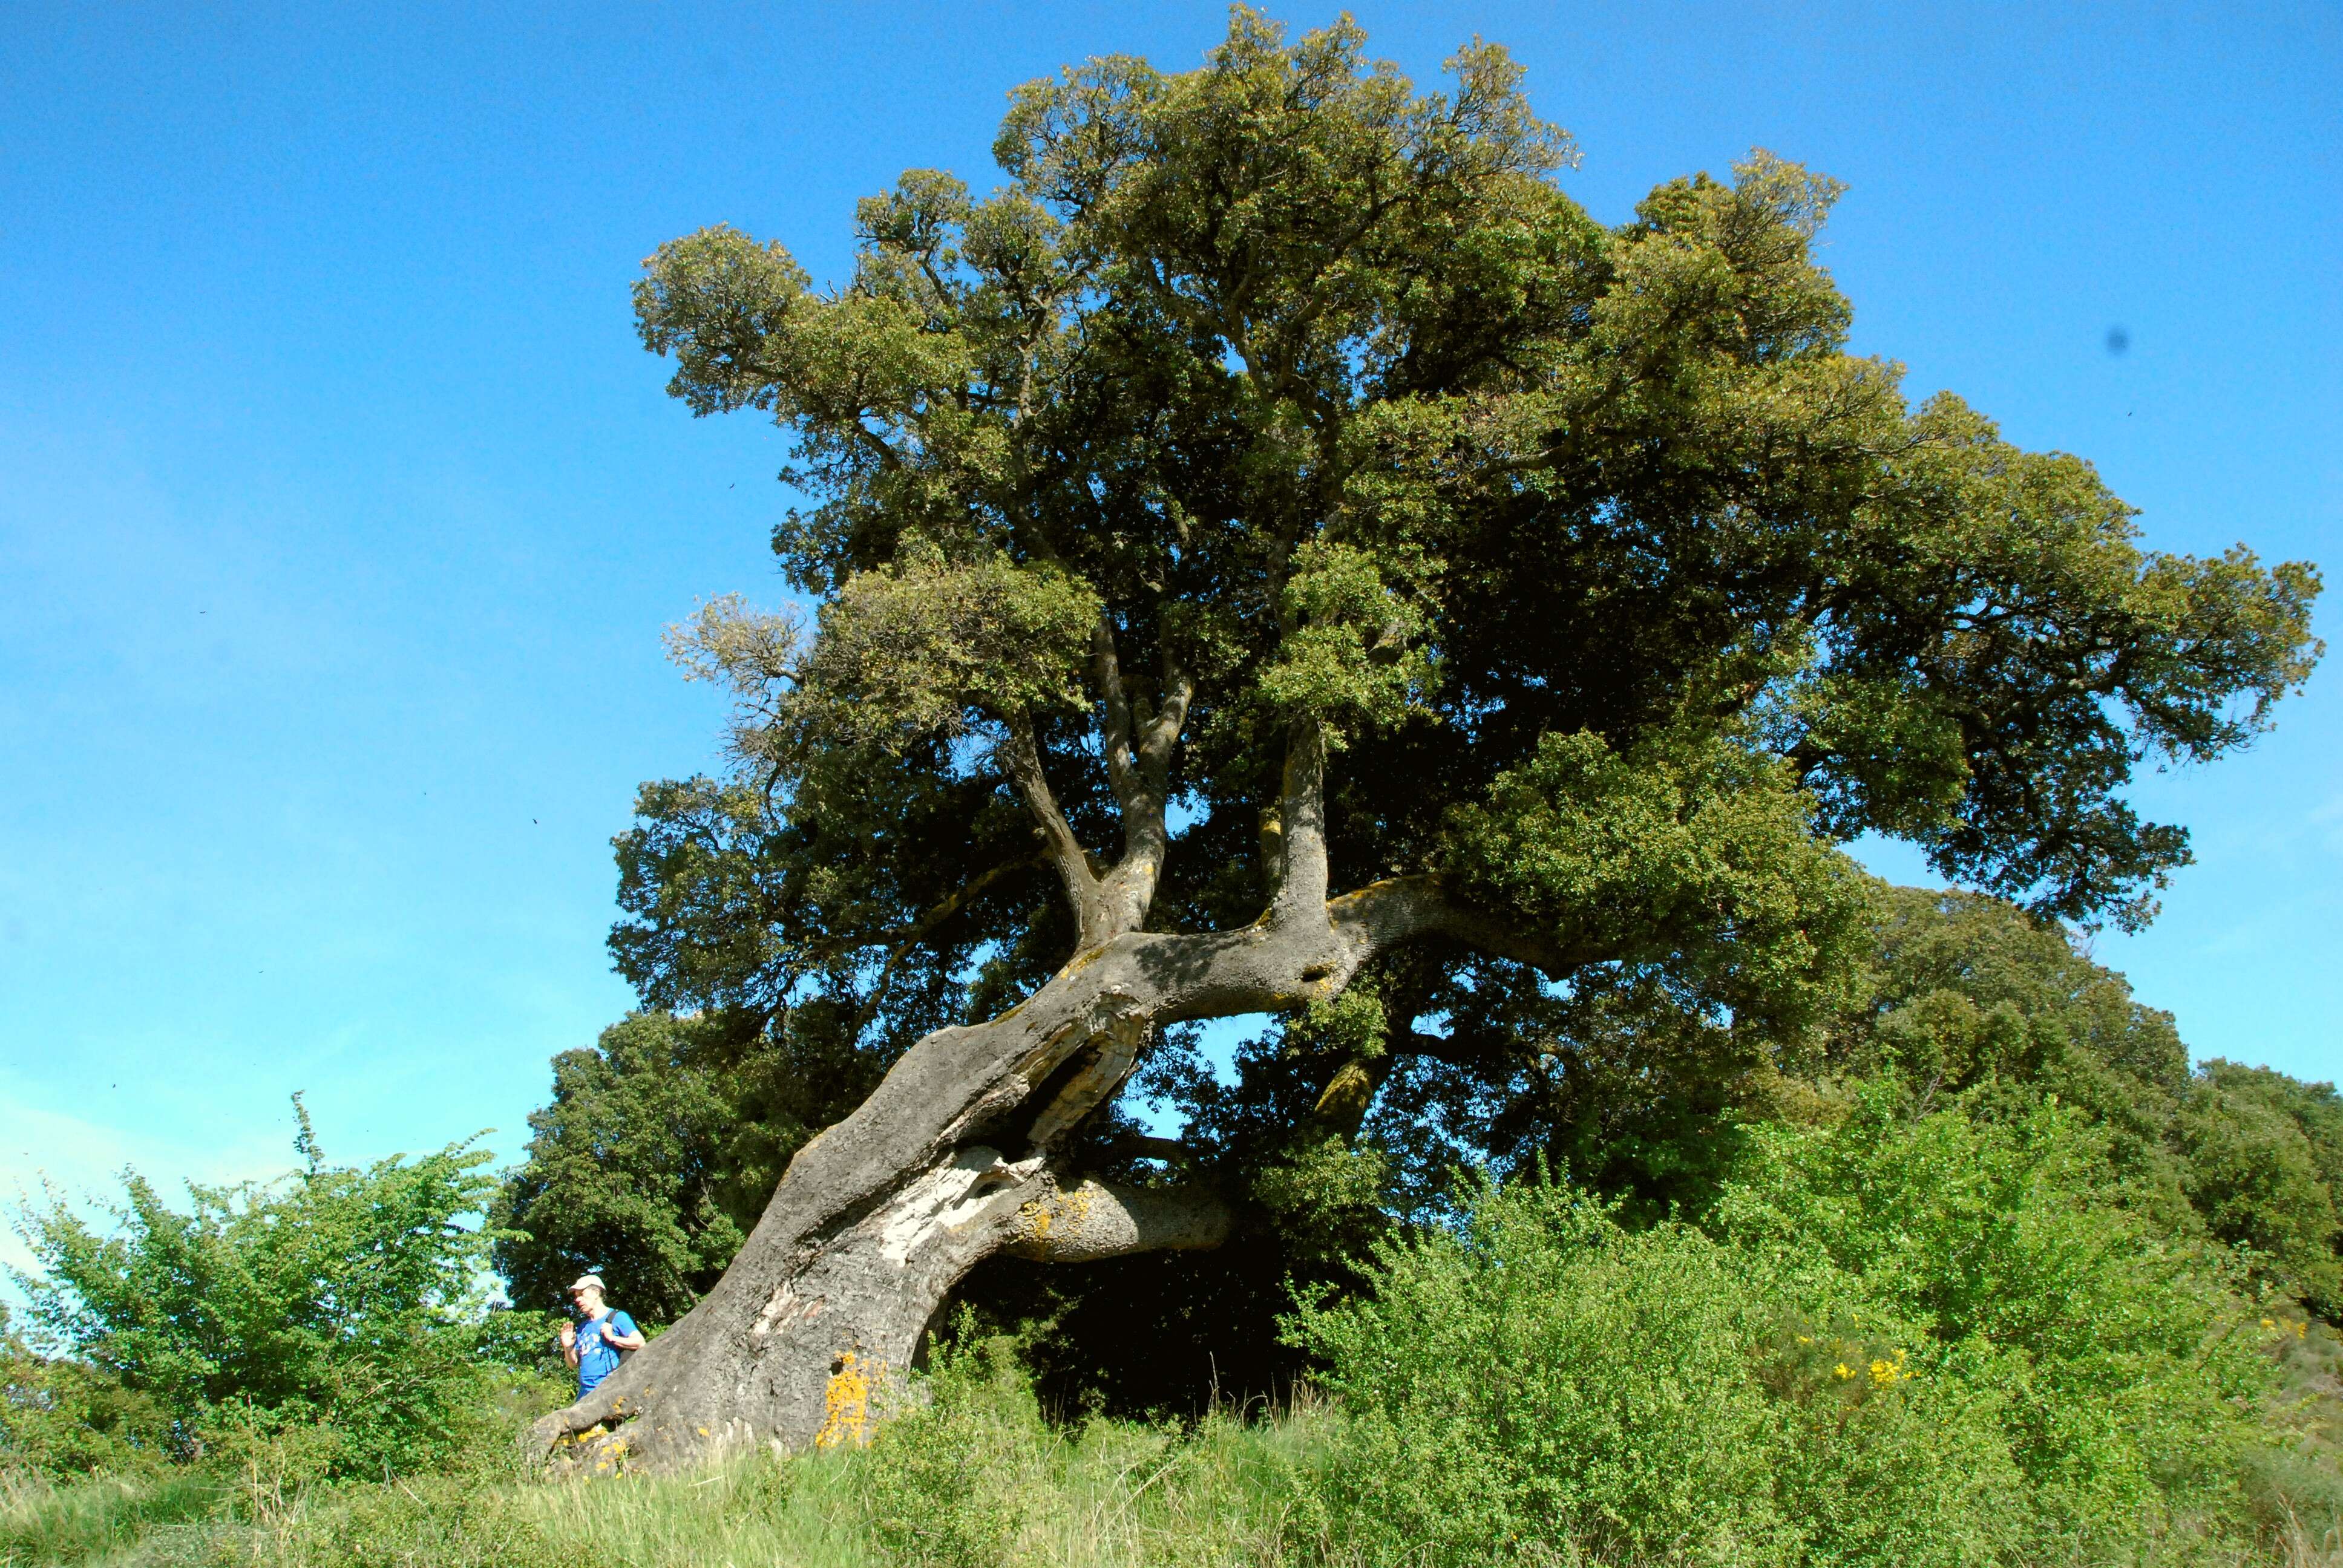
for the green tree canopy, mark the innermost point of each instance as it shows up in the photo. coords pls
(1277, 392)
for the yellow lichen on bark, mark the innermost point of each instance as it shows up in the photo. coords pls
(845, 1417)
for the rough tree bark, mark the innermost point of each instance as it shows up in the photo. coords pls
(959, 1153)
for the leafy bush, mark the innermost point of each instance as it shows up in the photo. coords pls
(2123, 1363)
(941, 1484)
(1895, 1342)
(331, 1322)
(61, 1418)
(2255, 1174)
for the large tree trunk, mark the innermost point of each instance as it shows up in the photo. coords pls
(954, 1156)
(959, 1152)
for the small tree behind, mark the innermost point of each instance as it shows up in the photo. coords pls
(347, 1300)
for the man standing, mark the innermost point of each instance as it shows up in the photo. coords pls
(593, 1349)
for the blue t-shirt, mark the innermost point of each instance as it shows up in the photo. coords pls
(597, 1357)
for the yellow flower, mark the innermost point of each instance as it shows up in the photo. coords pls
(1842, 1370)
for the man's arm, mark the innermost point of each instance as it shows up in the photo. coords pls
(632, 1339)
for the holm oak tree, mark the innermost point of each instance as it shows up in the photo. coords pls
(1278, 552)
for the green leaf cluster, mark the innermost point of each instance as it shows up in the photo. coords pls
(2265, 1167)
(61, 1418)
(1705, 863)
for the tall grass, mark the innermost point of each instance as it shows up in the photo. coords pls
(1102, 1495)
(977, 1478)
(92, 1520)
(982, 1483)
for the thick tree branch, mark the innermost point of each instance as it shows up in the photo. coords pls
(1302, 819)
(1021, 759)
(1108, 1220)
(1114, 703)
(1157, 737)
(1138, 749)
(1408, 909)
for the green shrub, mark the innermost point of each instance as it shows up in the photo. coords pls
(2255, 1176)
(2125, 1364)
(60, 1418)
(335, 1316)
(1548, 1381)
(944, 1484)
(1895, 1342)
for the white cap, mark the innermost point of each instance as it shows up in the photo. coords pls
(586, 1281)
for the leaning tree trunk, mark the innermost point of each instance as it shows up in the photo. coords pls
(959, 1154)
(953, 1158)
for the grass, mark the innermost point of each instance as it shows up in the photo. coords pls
(98, 1519)
(977, 1482)
(1107, 1494)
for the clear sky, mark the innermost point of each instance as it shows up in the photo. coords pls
(340, 512)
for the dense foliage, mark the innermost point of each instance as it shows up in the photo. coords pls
(1930, 1341)
(336, 1318)
(1276, 403)
(62, 1418)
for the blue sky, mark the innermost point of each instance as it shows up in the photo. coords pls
(340, 512)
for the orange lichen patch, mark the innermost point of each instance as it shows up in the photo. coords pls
(597, 1451)
(1070, 1211)
(845, 1412)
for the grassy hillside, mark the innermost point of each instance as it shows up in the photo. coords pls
(1001, 1487)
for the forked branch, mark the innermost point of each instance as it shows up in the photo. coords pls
(1020, 758)
(1137, 745)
